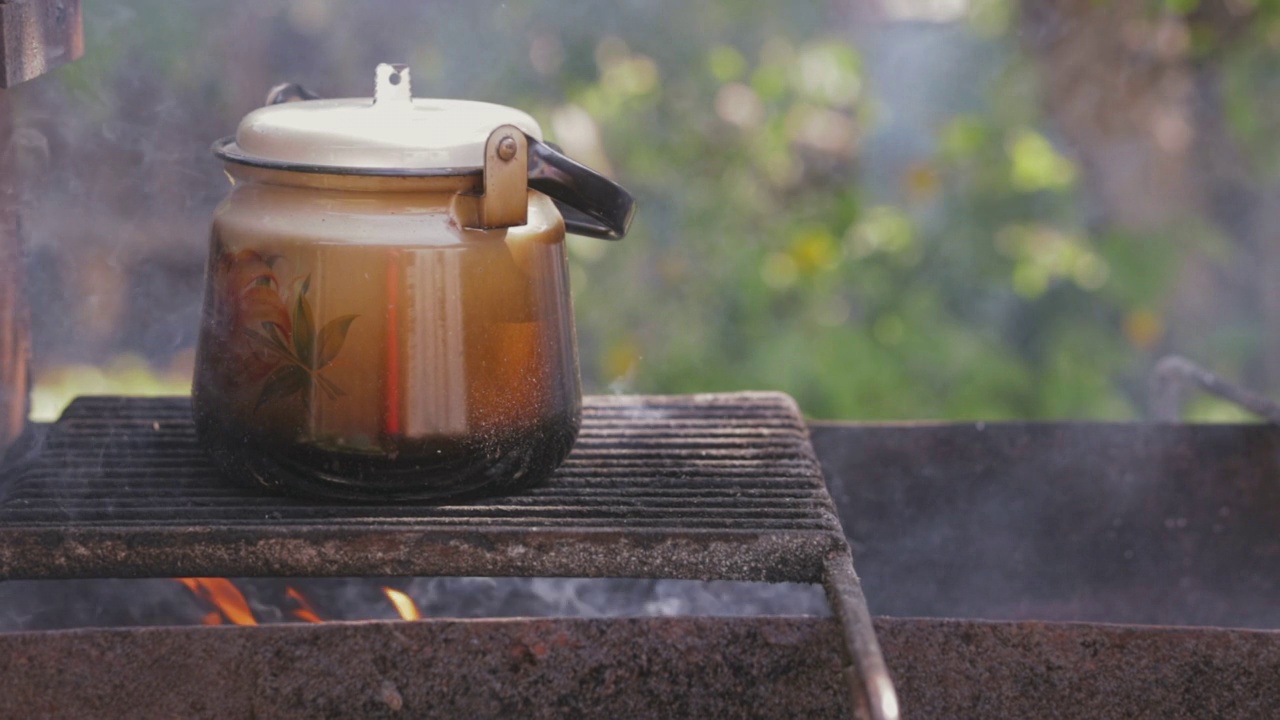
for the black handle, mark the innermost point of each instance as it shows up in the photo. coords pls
(591, 204)
(289, 92)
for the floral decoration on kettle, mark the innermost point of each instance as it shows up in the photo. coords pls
(268, 339)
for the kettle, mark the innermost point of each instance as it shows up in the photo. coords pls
(386, 311)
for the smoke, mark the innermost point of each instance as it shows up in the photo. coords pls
(1122, 523)
(65, 604)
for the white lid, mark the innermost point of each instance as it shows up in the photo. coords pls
(391, 131)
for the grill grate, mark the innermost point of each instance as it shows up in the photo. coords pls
(704, 487)
(706, 467)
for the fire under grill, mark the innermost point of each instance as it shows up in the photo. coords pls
(707, 487)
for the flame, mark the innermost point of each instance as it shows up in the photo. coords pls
(304, 611)
(222, 595)
(230, 605)
(404, 605)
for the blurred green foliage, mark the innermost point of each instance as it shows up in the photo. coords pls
(762, 260)
(972, 283)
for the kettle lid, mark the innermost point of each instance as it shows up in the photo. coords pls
(391, 133)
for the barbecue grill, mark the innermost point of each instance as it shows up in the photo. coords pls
(1006, 552)
(711, 487)
(1001, 556)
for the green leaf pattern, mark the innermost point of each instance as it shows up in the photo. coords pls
(284, 381)
(304, 329)
(303, 355)
(332, 337)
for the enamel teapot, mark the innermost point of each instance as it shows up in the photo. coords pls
(387, 310)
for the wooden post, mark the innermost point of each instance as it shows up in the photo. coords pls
(36, 36)
(15, 326)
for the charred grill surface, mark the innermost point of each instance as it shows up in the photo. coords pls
(701, 487)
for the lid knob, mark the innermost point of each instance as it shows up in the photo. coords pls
(391, 86)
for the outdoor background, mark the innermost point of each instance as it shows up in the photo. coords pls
(892, 210)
